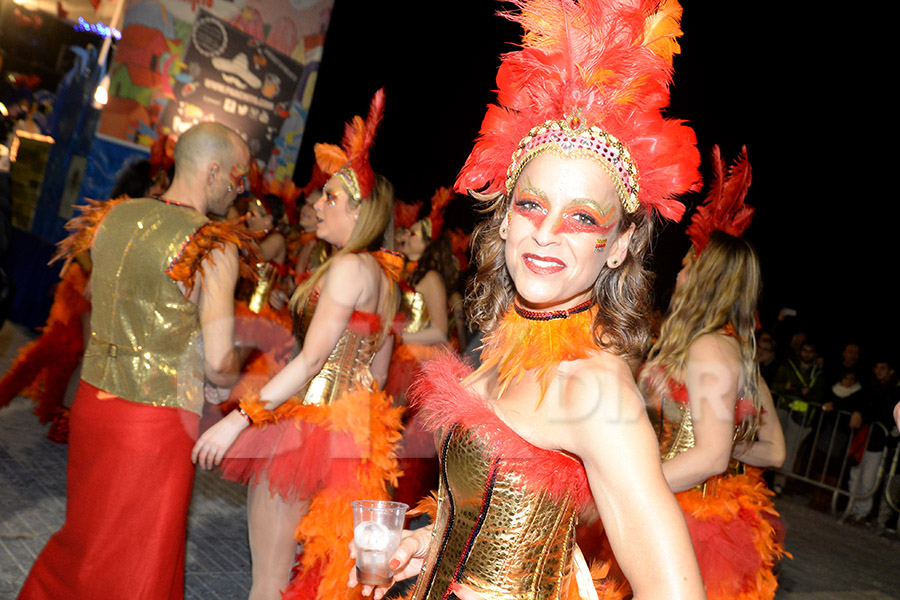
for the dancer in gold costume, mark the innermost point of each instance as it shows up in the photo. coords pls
(712, 411)
(320, 434)
(572, 166)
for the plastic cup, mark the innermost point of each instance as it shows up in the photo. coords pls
(377, 527)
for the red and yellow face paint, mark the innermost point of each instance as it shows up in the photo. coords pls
(236, 176)
(577, 216)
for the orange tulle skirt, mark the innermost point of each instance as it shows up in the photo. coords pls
(331, 455)
(129, 486)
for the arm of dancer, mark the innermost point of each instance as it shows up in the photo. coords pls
(767, 450)
(344, 286)
(222, 362)
(602, 420)
(711, 375)
(435, 294)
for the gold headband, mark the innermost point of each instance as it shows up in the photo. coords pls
(568, 138)
(348, 177)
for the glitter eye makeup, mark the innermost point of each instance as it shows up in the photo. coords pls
(587, 216)
(531, 206)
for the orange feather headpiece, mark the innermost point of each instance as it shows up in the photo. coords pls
(434, 222)
(590, 81)
(350, 160)
(723, 209)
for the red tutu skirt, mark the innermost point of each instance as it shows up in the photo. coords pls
(332, 455)
(129, 486)
(733, 535)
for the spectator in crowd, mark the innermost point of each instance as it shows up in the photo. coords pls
(765, 356)
(799, 386)
(879, 429)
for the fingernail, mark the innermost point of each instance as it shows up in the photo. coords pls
(455, 587)
(394, 564)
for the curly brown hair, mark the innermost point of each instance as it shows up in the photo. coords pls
(623, 293)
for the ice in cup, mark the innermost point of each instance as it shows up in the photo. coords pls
(377, 527)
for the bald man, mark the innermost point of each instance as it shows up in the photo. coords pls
(161, 327)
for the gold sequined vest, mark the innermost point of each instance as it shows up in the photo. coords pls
(348, 365)
(494, 531)
(412, 306)
(145, 336)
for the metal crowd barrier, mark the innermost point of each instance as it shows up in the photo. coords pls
(804, 422)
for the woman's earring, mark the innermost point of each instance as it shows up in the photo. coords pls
(615, 262)
(504, 230)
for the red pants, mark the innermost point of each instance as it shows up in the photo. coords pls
(129, 486)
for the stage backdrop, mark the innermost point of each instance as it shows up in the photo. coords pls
(250, 64)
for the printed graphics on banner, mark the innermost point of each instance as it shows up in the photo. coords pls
(235, 79)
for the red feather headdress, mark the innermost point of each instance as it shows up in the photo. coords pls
(317, 180)
(590, 80)
(350, 160)
(406, 214)
(434, 222)
(723, 209)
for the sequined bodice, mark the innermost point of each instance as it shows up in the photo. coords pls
(507, 510)
(501, 537)
(348, 365)
(412, 307)
(670, 414)
(145, 344)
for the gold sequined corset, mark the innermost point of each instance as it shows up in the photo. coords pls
(145, 336)
(670, 414)
(412, 306)
(494, 530)
(348, 365)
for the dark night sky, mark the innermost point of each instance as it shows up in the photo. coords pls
(746, 75)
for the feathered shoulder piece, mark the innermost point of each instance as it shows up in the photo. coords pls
(350, 160)
(723, 209)
(208, 237)
(82, 229)
(590, 81)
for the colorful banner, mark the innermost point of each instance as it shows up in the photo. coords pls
(234, 80)
(250, 64)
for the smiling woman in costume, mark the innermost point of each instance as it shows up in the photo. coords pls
(319, 435)
(572, 166)
(708, 402)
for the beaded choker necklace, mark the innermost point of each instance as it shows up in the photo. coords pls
(526, 340)
(550, 315)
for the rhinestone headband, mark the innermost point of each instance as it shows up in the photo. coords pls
(569, 139)
(348, 177)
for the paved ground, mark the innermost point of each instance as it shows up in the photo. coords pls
(831, 561)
